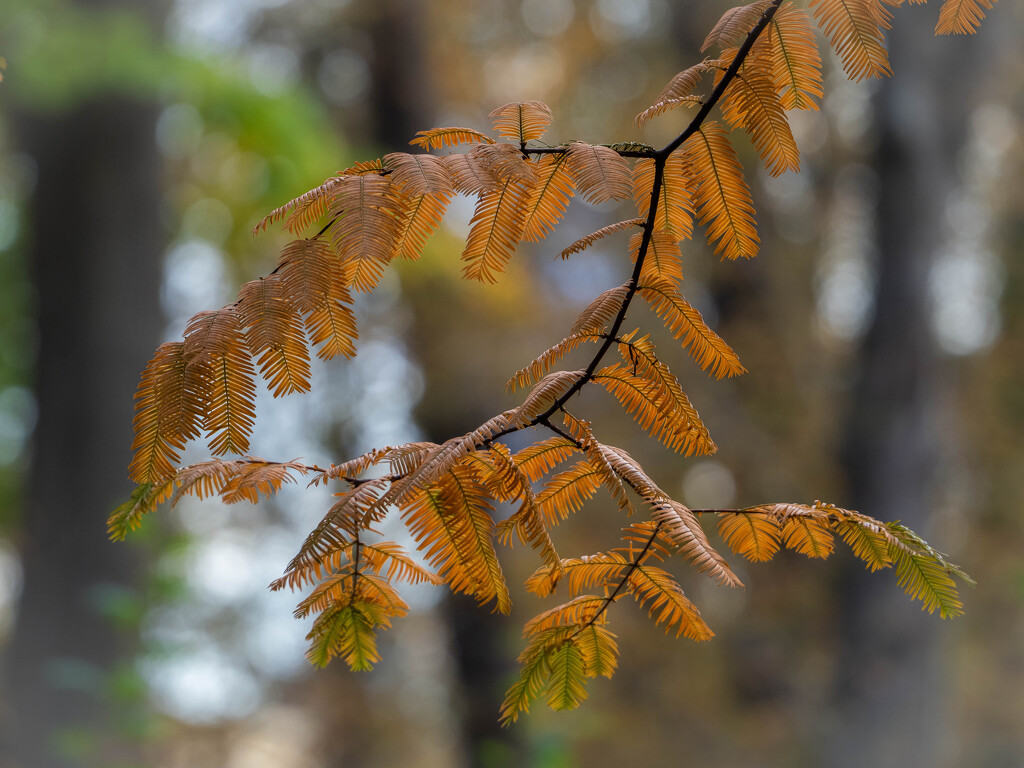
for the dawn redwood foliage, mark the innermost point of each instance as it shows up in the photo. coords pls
(446, 494)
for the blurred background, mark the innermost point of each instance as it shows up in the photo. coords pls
(882, 326)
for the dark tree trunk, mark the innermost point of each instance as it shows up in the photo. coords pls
(890, 703)
(399, 95)
(401, 107)
(95, 248)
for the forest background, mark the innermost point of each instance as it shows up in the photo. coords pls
(882, 326)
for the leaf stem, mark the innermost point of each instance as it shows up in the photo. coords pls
(723, 84)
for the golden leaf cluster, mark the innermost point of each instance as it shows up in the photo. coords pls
(460, 499)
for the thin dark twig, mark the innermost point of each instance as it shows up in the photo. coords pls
(648, 153)
(660, 158)
(326, 227)
(637, 562)
(724, 83)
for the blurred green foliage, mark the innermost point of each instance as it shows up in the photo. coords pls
(249, 150)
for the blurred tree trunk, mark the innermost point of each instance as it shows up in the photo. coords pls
(400, 90)
(95, 243)
(890, 703)
(400, 99)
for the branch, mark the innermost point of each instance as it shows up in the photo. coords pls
(660, 158)
(637, 562)
(727, 78)
(645, 153)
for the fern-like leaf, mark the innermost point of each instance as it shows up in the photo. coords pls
(961, 17)
(543, 362)
(128, 516)
(854, 28)
(536, 460)
(392, 562)
(546, 392)
(922, 573)
(664, 260)
(522, 121)
(680, 527)
(437, 462)
(600, 173)
(585, 242)
(708, 349)
(567, 687)
(661, 107)
(403, 459)
(655, 589)
(734, 24)
(419, 175)
(495, 231)
(691, 435)
(253, 478)
(323, 548)
(598, 313)
(368, 214)
(866, 540)
(348, 631)
(681, 431)
(549, 197)
(215, 350)
(751, 101)
(332, 323)
(306, 267)
(314, 280)
(204, 479)
(469, 175)
(366, 168)
(632, 473)
(422, 217)
(452, 526)
(596, 456)
(599, 649)
(579, 611)
(579, 574)
(168, 409)
(582, 432)
(753, 534)
(338, 587)
(567, 492)
(796, 63)
(438, 138)
(275, 334)
(528, 521)
(648, 535)
(504, 162)
(677, 91)
(305, 209)
(721, 195)
(808, 536)
(535, 674)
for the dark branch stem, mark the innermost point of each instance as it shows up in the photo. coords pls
(326, 227)
(634, 282)
(648, 153)
(637, 562)
(723, 84)
(660, 158)
(355, 563)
